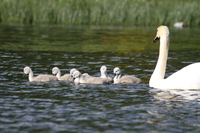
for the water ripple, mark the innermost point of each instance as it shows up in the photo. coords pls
(62, 106)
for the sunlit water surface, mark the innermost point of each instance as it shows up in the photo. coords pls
(64, 107)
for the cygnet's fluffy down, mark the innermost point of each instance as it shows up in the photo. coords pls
(73, 70)
(85, 78)
(103, 71)
(127, 79)
(66, 77)
(79, 78)
(39, 78)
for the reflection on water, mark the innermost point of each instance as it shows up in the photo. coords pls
(62, 106)
(167, 95)
(91, 38)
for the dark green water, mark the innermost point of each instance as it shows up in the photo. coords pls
(65, 107)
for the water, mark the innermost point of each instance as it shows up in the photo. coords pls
(65, 107)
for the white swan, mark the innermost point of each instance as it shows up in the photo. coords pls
(85, 78)
(126, 79)
(40, 78)
(179, 24)
(103, 70)
(186, 78)
(66, 77)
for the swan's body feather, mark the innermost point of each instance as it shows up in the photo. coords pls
(43, 78)
(186, 78)
(126, 79)
(66, 77)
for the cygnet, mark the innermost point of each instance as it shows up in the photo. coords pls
(66, 77)
(40, 78)
(126, 79)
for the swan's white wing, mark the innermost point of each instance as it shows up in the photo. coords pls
(186, 78)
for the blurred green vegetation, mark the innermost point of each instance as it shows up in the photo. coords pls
(101, 12)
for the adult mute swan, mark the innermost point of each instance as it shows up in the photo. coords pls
(186, 78)
(126, 79)
(40, 78)
(66, 77)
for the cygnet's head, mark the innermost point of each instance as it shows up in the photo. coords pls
(76, 74)
(27, 70)
(72, 71)
(103, 68)
(162, 31)
(116, 70)
(55, 70)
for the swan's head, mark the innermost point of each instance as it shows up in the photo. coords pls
(55, 70)
(162, 31)
(27, 70)
(76, 74)
(72, 71)
(116, 71)
(103, 69)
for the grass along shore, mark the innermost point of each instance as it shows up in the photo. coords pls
(101, 12)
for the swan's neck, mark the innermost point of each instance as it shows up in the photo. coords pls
(77, 80)
(103, 74)
(160, 68)
(117, 77)
(58, 75)
(30, 76)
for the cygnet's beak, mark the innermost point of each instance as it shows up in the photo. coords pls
(72, 78)
(24, 75)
